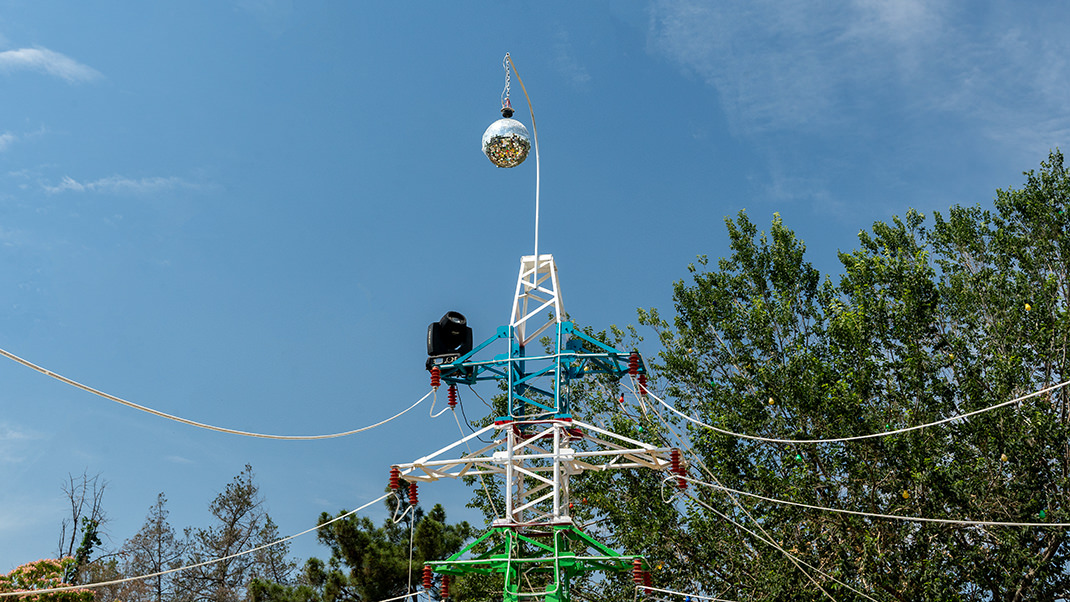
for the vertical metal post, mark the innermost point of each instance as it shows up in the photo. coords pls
(509, 473)
(557, 472)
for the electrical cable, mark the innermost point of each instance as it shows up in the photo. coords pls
(946, 521)
(434, 399)
(692, 596)
(618, 404)
(480, 397)
(768, 538)
(733, 492)
(408, 595)
(209, 427)
(460, 403)
(67, 588)
(918, 519)
(858, 437)
(778, 547)
(396, 518)
(482, 480)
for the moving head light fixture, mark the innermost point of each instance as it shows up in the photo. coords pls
(448, 339)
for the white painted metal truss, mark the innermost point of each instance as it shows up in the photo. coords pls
(536, 459)
(537, 292)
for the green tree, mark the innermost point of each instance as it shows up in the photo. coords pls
(922, 323)
(370, 563)
(90, 540)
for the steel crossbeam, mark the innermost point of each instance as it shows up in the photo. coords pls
(537, 457)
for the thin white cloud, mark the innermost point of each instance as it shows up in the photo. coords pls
(68, 183)
(9, 434)
(808, 66)
(121, 185)
(47, 61)
(565, 60)
(884, 80)
(178, 460)
(5, 140)
(12, 442)
(772, 63)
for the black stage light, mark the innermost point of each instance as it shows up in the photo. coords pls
(448, 339)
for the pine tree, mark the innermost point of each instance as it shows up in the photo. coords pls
(155, 548)
(241, 524)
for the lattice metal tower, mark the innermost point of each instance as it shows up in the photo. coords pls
(534, 448)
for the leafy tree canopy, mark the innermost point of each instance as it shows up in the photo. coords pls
(370, 563)
(927, 320)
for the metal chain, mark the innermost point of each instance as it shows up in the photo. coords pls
(505, 92)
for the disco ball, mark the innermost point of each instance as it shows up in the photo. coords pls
(506, 143)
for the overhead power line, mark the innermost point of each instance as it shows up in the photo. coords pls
(67, 588)
(696, 597)
(732, 493)
(412, 595)
(768, 538)
(858, 437)
(202, 425)
(913, 519)
(770, 542)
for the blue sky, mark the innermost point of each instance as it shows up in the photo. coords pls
(246, 213)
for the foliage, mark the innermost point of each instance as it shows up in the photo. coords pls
(376, 560)
(90, 540)
(43, 574)
(242, 524)
(106, 569)
(370, 563)
(921, 324)
(155, 548)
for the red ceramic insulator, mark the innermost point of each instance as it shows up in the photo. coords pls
(436, 377)
(412, 494)
(428, 576)
(647, 581)
(395, 478)
(637, 571)
(445, 591)
(642, 383)
(677, 468)
(453, 396)
(633, 363)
